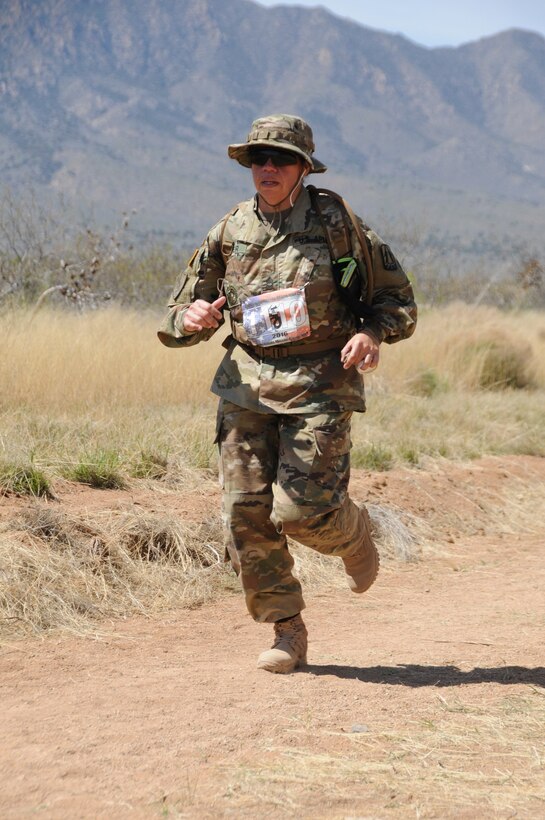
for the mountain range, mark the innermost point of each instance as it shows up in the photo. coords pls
(121, 104)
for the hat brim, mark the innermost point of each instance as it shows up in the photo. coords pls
(241, 153)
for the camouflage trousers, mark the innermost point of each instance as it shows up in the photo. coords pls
(284, 475)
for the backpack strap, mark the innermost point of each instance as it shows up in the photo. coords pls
(338, 235)
(338, 239)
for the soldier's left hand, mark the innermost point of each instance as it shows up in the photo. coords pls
(363, 350)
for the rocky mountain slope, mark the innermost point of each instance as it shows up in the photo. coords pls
(131, 103)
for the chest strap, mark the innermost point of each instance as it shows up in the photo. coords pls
(284, 351)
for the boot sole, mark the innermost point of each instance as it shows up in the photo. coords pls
(282, 669)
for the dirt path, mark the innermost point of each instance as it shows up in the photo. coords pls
(423, 698)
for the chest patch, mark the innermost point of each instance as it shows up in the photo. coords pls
(240, 249)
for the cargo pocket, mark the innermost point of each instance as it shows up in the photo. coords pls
(248, 449)
(327, 481)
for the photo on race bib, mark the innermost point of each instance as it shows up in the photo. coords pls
(276, 317)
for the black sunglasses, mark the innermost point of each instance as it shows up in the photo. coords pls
(260, 156)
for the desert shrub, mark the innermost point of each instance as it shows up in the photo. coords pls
(100, 469)
(149, 464)
(493, 360)
(426, 382)
(46, 257)
(24, 480)
(467, 348)
(372, 457)
(518, 285)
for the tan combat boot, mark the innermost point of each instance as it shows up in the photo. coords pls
(289, 648)
(362, 567)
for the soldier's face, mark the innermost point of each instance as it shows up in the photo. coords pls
(275, 183)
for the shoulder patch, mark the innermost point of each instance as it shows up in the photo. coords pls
(389, 261)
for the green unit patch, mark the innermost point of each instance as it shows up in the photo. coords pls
(348, 266)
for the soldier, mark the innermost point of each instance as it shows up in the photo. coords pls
(289, 381)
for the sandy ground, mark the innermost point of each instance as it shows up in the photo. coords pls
(423, 698)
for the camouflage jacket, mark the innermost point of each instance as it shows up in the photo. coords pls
(259, 260)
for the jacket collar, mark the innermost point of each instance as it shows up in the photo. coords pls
(297, 221)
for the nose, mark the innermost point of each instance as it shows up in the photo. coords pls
(270, 164)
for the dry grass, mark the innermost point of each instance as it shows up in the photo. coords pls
(59, 570)
(69, 571)
(403, 428)
(100, 382)
(102, 359)
(81, 390)
(397, 534)
(64, 361)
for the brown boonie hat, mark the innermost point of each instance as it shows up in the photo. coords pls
(282, 131)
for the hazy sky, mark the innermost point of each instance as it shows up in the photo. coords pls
(436, 22)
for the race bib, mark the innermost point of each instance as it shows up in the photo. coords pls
(276, 317)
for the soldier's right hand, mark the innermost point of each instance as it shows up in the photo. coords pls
(201, 314)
